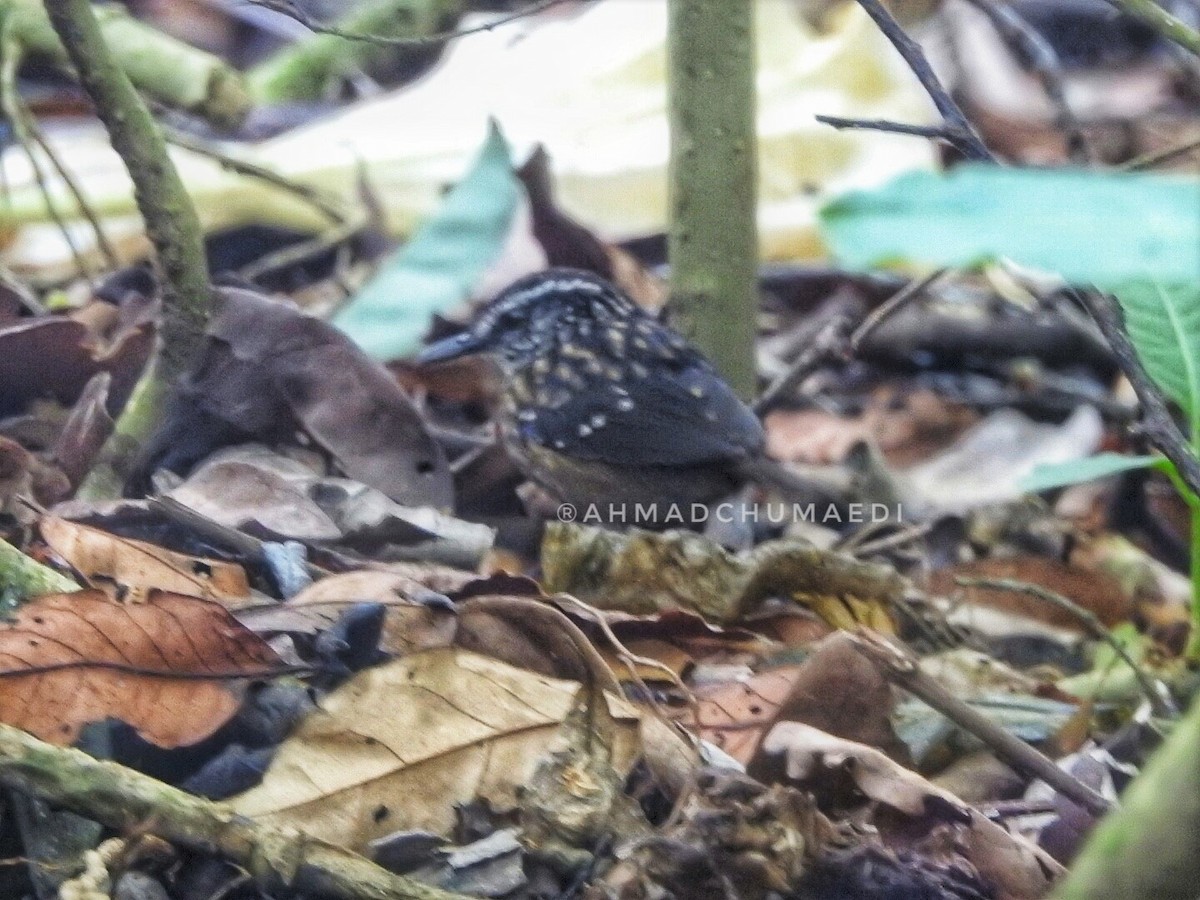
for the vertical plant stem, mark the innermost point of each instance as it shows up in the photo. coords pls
(171, 224)
(171, 220)
(713, 241)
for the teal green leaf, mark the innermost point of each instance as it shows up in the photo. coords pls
(1163, 321)
(1090, 226)
(1077, 471)
(438, 269)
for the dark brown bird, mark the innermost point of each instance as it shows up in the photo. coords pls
(604, 404)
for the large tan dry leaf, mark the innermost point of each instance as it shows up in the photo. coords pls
(70, 659)
(105, 558)
(398, 746)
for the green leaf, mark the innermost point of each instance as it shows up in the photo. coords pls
(1077, 471)
(440, 266)
(1090, 226)
(1163, 321)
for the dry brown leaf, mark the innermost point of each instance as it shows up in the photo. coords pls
(104, 558)
(802, 754)
(836, 689)
(70, 659)
(399, 745)
(906, 427)
(651, 660)
(407, 626)
(1094, 591)
(734, 716)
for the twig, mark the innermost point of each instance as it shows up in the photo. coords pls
(237, 540)
(1037, 57)
(970, 143)
(889, 306)
(68, 178)
(1087, 618)
(126, 800)
(316, 198)
(899, 667)
(1150, 160)
(830, 343)
(1162, 21)
(297, 253)
(1157, 423)
(891, 541)
(940, 132)
(12, 108)
(289, 9)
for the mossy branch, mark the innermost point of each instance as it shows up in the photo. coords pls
(713, 239)
(1162, 21)
(130, 801)
(166, 69)
(306, 70)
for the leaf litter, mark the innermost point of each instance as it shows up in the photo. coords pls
(326, 636)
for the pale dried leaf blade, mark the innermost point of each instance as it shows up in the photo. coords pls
(400, 745)
(70, 659)
(100, 556)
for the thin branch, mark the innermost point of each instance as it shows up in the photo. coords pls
(68, 178)
(318, 199)
(1162, 21)
(892, 304)
(901, 669)
(289, 9)
(952, 136)
(973, 146)
(1150, 160)
(1037, 57)
(240, 541)
(830, 343)
(11, 106)
(1161, 706)
(1157, 422)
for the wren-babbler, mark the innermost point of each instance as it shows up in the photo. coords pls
(604, 404)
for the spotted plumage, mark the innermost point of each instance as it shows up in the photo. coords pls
(604, 399)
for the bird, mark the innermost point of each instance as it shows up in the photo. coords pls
(603, 405)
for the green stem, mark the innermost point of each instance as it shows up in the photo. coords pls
(307, 70)
(1193, 648)
(166, 69)
(1165, 23)
(712, 237)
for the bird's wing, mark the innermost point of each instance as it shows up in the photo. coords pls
(658, 404)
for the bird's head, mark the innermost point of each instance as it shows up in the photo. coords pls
(541, 311)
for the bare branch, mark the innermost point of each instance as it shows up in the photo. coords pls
(289, 9)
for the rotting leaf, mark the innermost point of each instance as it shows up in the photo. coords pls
(267, 371)
(800, 754)
(409, 625)
(836, 689)
(399, 745)
(643, 572)
(168, 666)
(568, 243)
(104, 558)
(56, 356)
(85, 431)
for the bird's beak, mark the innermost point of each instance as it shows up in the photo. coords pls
(464, 344)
